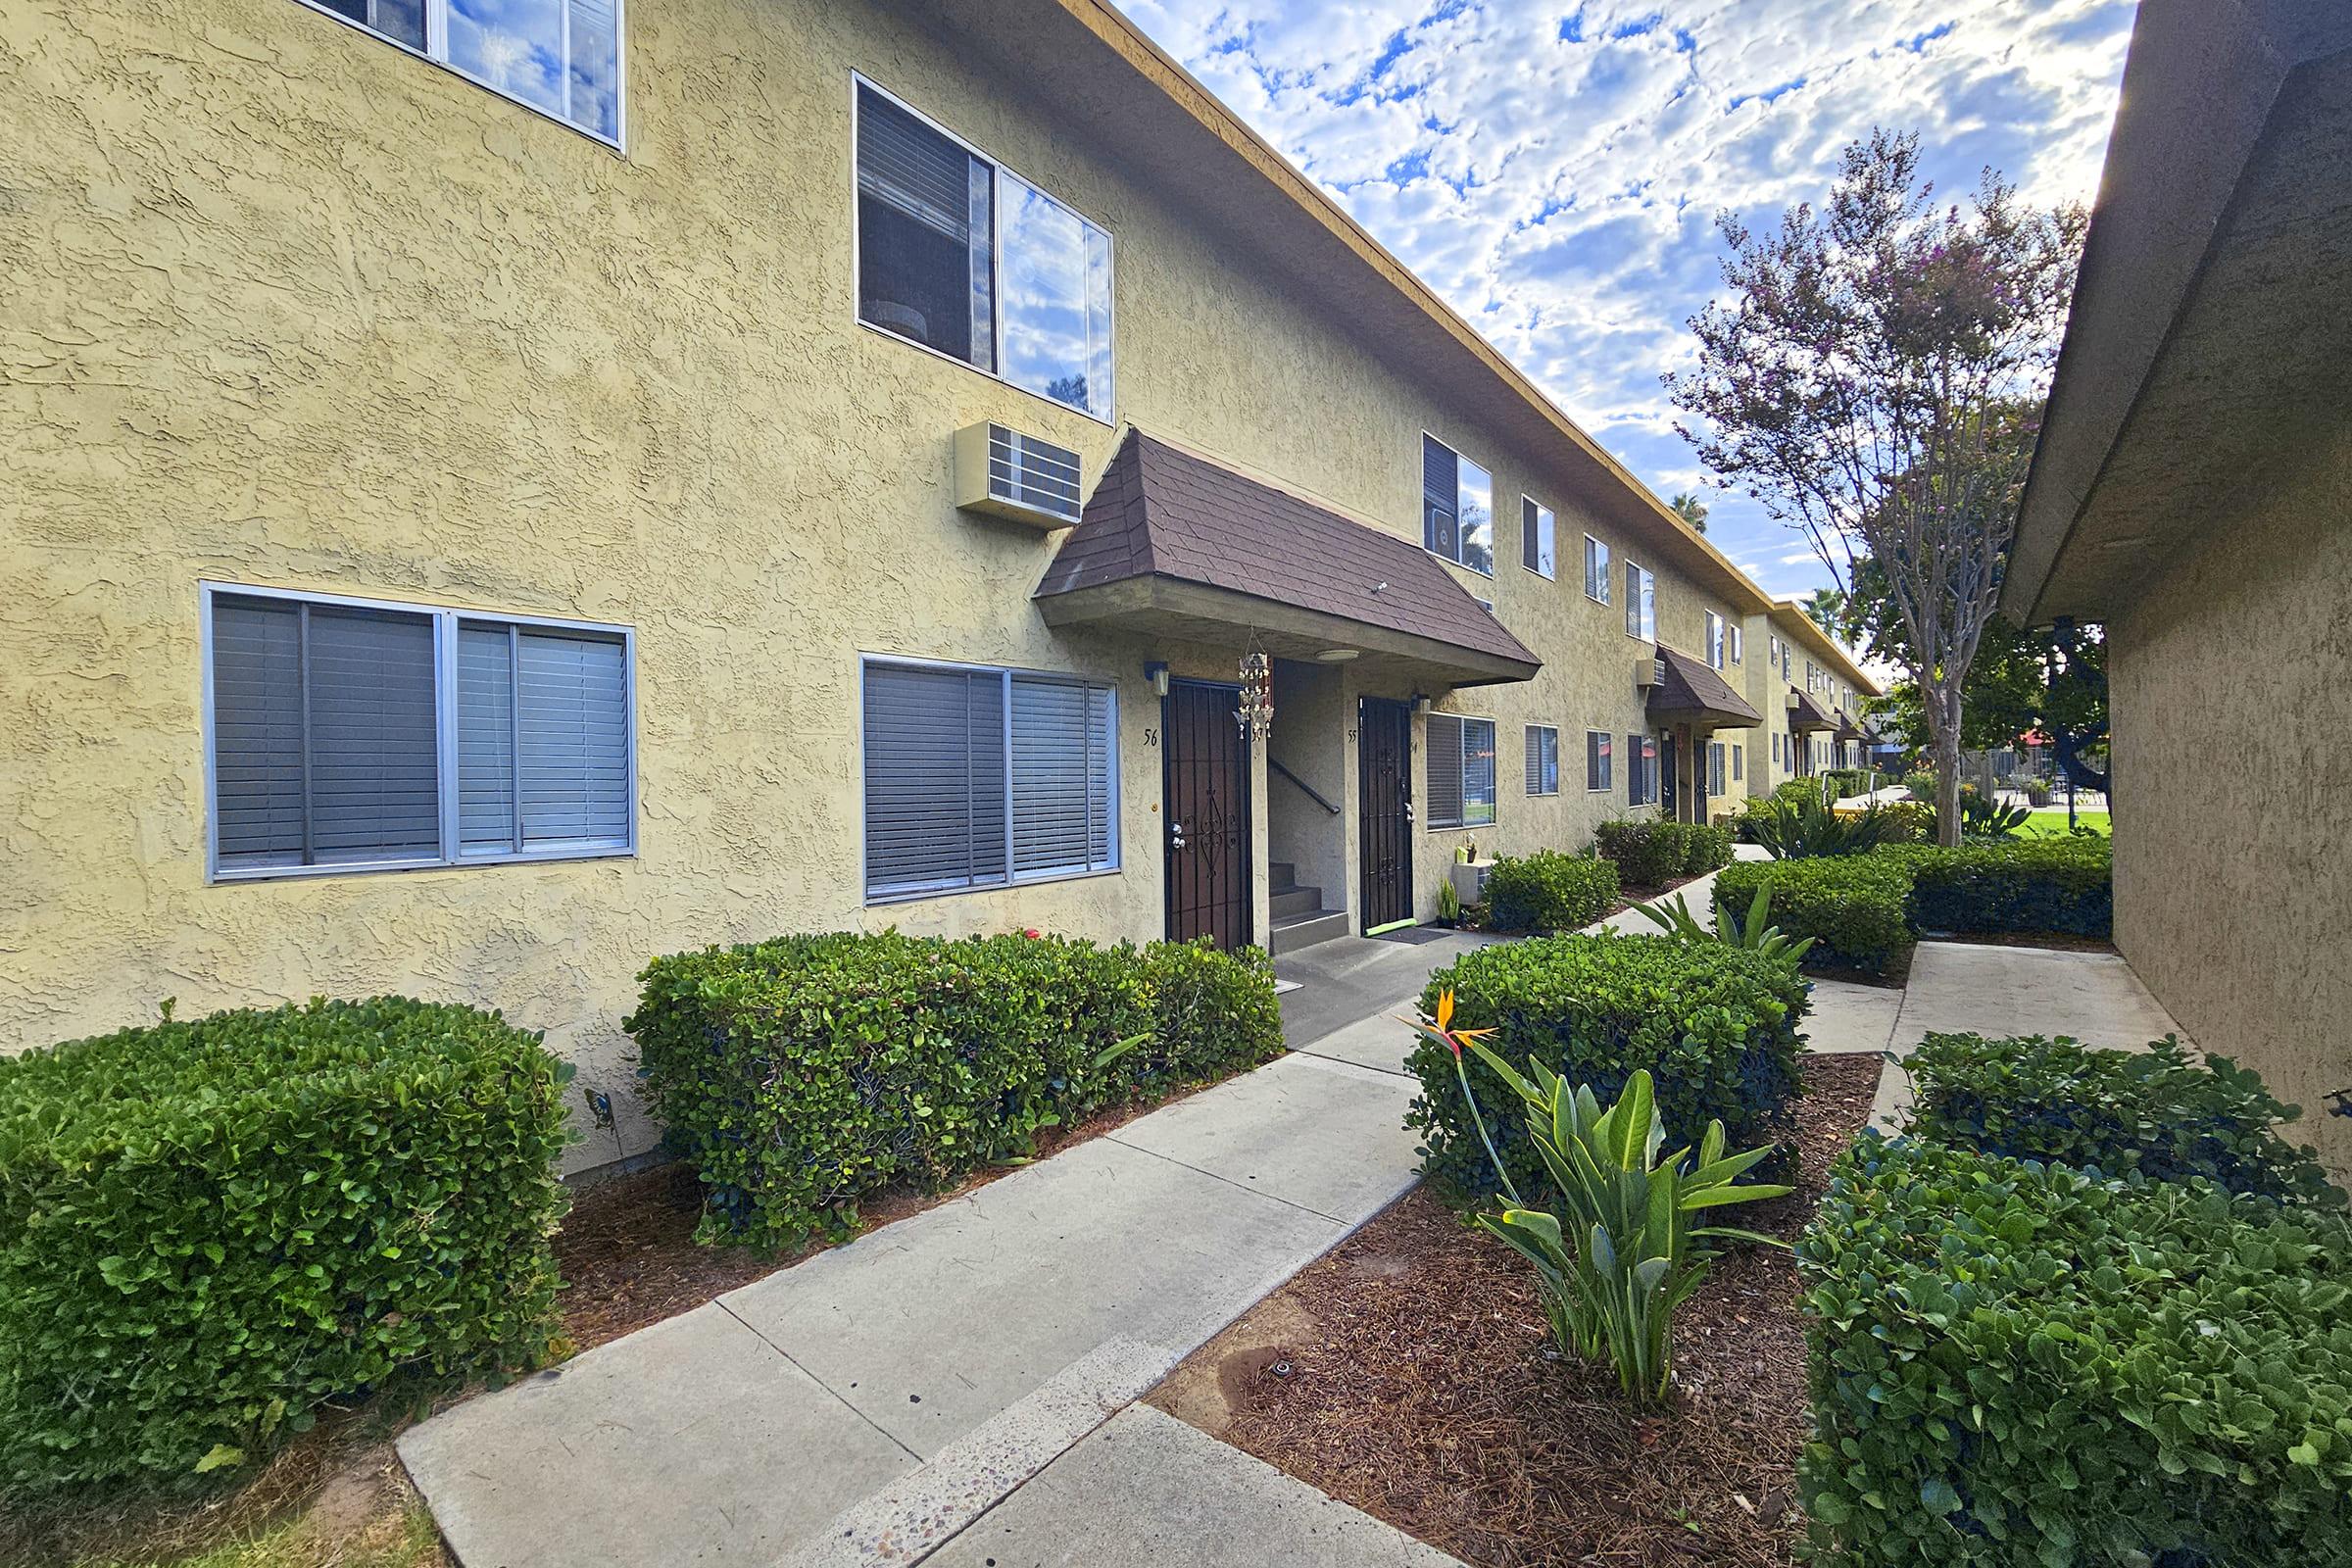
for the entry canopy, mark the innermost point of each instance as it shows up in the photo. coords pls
(1176, 544)
(1806, 715)
(1689, 691)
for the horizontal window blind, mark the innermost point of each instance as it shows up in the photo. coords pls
(256, 732)
(904, 163)
(1478, 771)
(1061, 779)
(1543, 760)
(1445, 764)
(573, 752)
(486, 824)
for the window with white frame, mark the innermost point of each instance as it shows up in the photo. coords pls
(1736, 640)
(1718, 766)
(1642, 769)
(1598, 774)
(1457, 506)
(1737, 749)
(346, 734)
(1543, 760)
(1536, 528)
(1597, 571)
(1461, 770)
(978, 777)
(1712, 627)
(1640, 604)
(1772, 652)
(962, 256)
(560, 57)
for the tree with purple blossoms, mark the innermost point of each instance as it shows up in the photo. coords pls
(1877, 383)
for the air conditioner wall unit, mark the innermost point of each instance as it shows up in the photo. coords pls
(1004, 473)
(1647, 672)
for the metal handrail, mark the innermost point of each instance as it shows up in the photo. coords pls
(1312, 793)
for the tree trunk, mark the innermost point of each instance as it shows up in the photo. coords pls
(1943, 722)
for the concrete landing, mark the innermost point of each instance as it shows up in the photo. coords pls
(912, 1378)
(1847, 1015)
(1148, 1491)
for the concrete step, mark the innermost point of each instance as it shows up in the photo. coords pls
(1281, 876)
(1305, 930)
(1290, 900)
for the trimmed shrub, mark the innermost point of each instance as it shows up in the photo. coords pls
(1921, 787)
(798, 1073)
(1710, 849)
(1715, 1027)
(2062, 886)
(1548, 891)
(1796, 790)
(1852, 905)
(1908, 821)
(2015, 1365)
(1648, 854)
(2155, 1113)
(210, 1228)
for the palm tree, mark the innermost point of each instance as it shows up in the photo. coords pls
(1690, 510)
(1825, 609)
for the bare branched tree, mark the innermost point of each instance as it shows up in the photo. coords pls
(1876, 382)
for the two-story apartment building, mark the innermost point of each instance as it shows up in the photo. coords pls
(495, 492)
(1809, 688)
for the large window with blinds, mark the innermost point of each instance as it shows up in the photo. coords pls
(961, 255)
(560, 57)
(979, 777)
(1543, 760)
(349, 734)
(1457, 506)
(1461, 770)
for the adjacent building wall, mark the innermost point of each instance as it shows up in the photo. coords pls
(2234, 788)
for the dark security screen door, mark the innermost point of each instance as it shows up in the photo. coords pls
(1384, 772)
(1666, 780)
(1205, 787)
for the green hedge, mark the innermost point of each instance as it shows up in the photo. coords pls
(1648, 854)
(1853, 905)
(800, 1073)
(2156, 1114)
(1548, 891)
(210, 1228)
(2015, 1365)
(1710, 849)
(1715, 1026)
(2063, 886)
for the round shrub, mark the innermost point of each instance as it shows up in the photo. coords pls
(1648, 854)
(2155, 1113)
(1854, 907)
(2014, 1365)
(1710, 849)
(1715, 1026)
(798, 1073)
(1548, 891)
(210, 1228)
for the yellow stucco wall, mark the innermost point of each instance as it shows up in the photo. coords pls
(2234, 788)
(288, 307)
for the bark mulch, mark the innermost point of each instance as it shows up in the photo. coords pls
(1409, 1374)
(628, 1258)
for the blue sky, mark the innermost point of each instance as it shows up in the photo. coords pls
(1555, 169)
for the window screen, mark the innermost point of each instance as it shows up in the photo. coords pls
(1536, 526)
(1543, 760)
(1444, 770)
(976, 777)
(1457, 506)
(1640, 604)
(1597, 570)
(561, 57)
(543, 746)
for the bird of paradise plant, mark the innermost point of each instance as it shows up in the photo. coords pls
(1630, 1253)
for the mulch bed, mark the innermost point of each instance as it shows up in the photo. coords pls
(628, 1258)
(1410, 1375)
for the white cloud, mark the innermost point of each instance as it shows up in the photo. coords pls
(1555, 169)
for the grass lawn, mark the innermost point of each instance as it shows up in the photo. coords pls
(2052, 822)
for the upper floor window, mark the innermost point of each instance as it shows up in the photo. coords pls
(1736, 640)
(1461, 770)
(1536, 528)
(1713, 625)
(1640, 604)
(962, 256)
(1597, 570)
(560, 57)
(1457, 506)
(976, 777)
(346, 734)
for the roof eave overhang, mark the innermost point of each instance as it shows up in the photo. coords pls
(1711, 717)
(1199, 612)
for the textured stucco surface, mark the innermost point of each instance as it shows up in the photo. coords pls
(288, 307)
(2233, 787)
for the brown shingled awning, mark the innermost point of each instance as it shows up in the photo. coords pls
(1805, 715)
(1173, 543)
(1848, 729)
(1690, 691)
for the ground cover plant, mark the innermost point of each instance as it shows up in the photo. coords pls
(210, 1228)
(2018, 1365)
(1547, 890)
(1714, 1026)
(2159, 1113)
(802, 1074)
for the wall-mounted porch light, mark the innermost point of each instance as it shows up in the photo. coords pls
(1421, 703)
(1157, 675)
(1335, 655)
